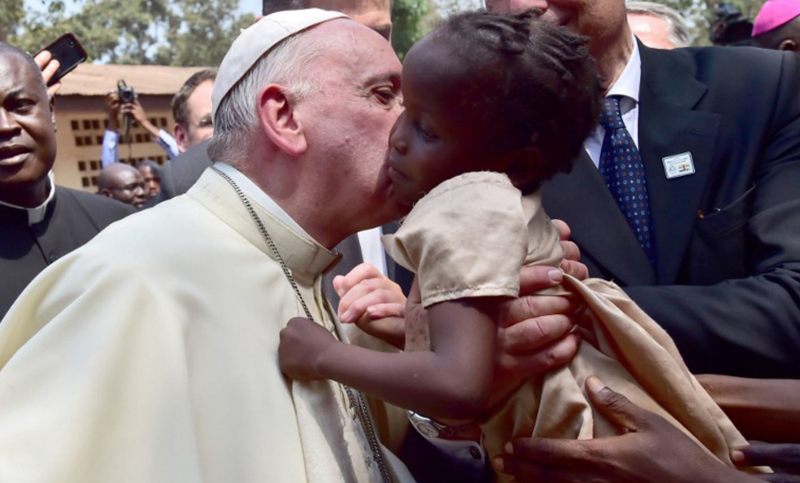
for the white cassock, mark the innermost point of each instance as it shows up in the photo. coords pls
(150, 355)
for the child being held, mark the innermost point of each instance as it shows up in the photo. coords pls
(495, 105)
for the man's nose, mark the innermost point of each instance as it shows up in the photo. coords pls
(8, 125)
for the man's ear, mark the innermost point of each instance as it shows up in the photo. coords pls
(524, 167)
(180, 137)
(788, 45)
(105, 192)
(278, 119)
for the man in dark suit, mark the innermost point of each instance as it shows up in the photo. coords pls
(39, 221)
(713, 135)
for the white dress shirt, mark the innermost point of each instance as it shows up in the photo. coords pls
(372, 249)
(36, 214)
(627, 86)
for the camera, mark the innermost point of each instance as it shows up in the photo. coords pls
(125, 93)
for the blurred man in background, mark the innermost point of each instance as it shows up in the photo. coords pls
(123, 183)
(657, 25)
(151, 173)
(39, 221)
(191, 108)
(777, 26)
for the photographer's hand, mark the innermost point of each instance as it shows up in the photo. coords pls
(113, 108)
(136, 110)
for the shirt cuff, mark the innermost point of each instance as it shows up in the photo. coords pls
(166, 141)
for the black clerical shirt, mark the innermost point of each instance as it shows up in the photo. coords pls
(27, 247)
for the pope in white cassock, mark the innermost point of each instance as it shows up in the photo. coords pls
(150, 355)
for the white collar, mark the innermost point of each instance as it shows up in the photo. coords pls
(253, 191)
(36, 214)
(627, 85)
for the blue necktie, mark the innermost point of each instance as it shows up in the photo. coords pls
(623, 170)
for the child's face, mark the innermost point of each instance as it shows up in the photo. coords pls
(444, 129)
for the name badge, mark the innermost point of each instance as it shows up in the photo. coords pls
(678, 165)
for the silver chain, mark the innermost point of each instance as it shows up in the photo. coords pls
(355, 398)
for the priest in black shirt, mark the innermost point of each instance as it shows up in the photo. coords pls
(39, 221)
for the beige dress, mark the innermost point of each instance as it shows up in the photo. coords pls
(469, 237)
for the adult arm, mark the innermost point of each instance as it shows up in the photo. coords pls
(750, 326)
(160, 137)
(762, 409)
(650, 449)
(110, 150)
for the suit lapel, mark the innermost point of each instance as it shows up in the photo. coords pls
(668, 125)
(582, 199)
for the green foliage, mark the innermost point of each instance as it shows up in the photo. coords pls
(204, 33)
(699, 13)
(166, 32)
(11, 14)
(408, 23)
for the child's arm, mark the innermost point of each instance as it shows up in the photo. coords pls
(452, 381)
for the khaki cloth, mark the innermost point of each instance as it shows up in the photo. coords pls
(150, 355)
(469, 237)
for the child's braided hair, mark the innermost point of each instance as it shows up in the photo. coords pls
(549, 96)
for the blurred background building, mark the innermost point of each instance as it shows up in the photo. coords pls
(81, 117)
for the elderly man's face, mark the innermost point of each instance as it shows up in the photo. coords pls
(27, 135)
(651, 30)
(596, 19)
(348, 119)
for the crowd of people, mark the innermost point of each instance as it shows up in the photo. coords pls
(254, 311)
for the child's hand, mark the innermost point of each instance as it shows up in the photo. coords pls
(302, 344)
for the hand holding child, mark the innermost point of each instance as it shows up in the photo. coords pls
(302, 343)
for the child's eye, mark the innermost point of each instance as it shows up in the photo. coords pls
(424, 132)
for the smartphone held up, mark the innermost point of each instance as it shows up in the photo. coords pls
(68, 52)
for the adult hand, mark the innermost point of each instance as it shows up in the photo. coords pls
(49, 67)
(534, 331)
(650, 450)
(783, 458)
(373, 302)
(112, 107)
(572, 254)
(136, 110)
(365, 293)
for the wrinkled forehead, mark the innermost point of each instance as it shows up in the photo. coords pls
(19, 72)
(351, 49)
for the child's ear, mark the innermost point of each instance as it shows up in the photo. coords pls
(525, 167)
